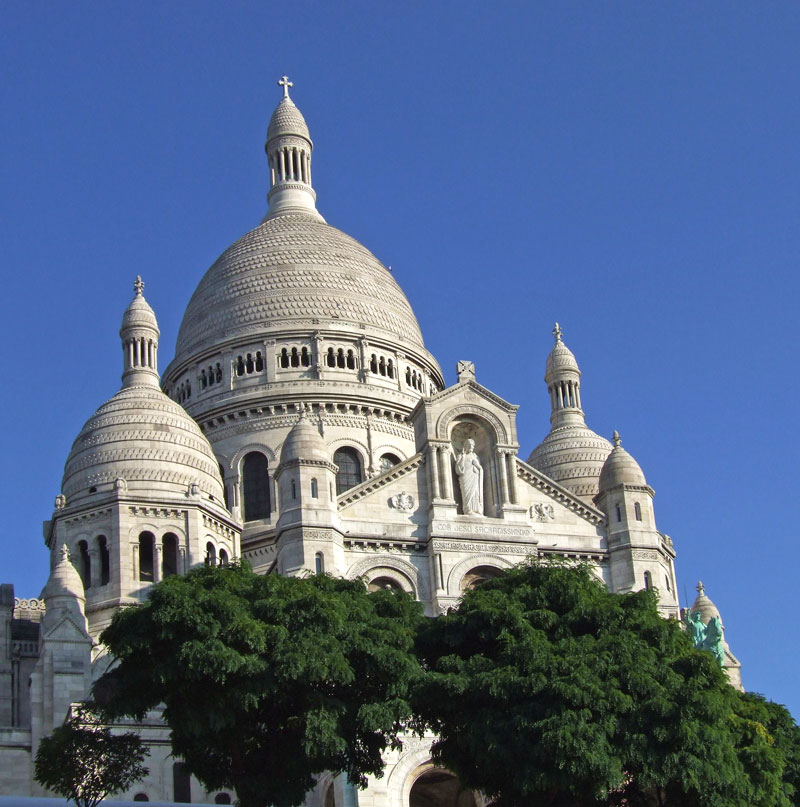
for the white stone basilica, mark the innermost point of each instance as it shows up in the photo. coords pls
(304, 426)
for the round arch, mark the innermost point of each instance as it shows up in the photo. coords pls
(243, 451)
(460, 570)
(478, 412)
(394, 567)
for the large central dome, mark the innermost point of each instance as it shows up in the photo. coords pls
(294, 269)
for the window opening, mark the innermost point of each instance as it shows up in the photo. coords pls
(349, 473)
(255, 486)
(146, 551)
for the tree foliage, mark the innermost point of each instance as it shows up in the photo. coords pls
(546, 689)
(267, 680)
(85, 761)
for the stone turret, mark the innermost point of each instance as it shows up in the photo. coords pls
(307, 529)
(571, 454)
(704, 606)
(289, 150)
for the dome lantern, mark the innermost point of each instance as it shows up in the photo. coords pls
(562, 376)
(288, 149)
(139, 334)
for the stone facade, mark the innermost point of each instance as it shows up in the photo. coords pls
(304, 426)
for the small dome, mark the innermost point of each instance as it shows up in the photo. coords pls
(146, 439)
(560, 359)
(64, 580)
(287, 119)
(304, 442)
(572, 455)
(620, 469)
(704, 606)
(139, 314)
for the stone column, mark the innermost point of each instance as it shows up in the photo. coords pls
(511, 461)
(501, 461)
(157, 560)
(447, 474)
(433, 465)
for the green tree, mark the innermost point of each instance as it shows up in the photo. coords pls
(267, 680)
(85, 761)
(547, 689)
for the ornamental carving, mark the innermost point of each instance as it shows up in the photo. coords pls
(543, 512)
(402, 501)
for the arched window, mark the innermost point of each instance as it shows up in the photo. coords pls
(240, 366)
(259, 362)
(295, 362)
(146, 551)
(223, 557)
(169, 555)
(351, 360)
(284, 358)
(477, 575)
(648, 580)
(181, 784)
(294, 489)
(319, 563)
(105, 560)
(218, 373)
(388, 461)
(305, 357)
(203, 380)
(255, 486)
(85, 564)
(384, 584)
(141, 797)
(637, 510)
(349, 473)
(211, 554)
(390, 368)
(382, 366)
(340, 358)
(222, 798)
(373, 363)
(314, 489)
(330, 359)
(619, 513)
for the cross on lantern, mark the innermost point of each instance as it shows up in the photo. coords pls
(285, 83)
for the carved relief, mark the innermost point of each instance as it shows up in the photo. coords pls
(543, 512)
(402, 501)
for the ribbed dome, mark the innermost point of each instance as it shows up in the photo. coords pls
(148, 440)
(304, 442)
(64, 580)
(294, 269)
(139, 315)
(620, 469)
(560, 359)
(704, 606)
(572, 455)
(287, 120)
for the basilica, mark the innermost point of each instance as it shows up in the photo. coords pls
(303, 425)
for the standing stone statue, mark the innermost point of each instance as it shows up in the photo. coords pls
(470, 478)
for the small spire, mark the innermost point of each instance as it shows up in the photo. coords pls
(301, 408)
(284, 82)
(138, 285)
(557, 332)
(617, 439)
(701, 589)
(64, 553)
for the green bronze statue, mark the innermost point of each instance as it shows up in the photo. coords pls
(713, 639)
(696, 628)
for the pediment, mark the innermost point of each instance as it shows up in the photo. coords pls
(67, 631)
(527, 474)
(466, 390)
(379, 484)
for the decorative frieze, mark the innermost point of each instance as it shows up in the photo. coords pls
(157, 512)
(497, 549)
(466, 528)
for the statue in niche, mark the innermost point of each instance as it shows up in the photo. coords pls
(470, 478)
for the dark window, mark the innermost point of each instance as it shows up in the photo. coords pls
(255, 486)
(637, 509)
(295, 357)
(105, 560)
(169, 555)
(294, 490)
(223, 557)
(319, 563)
(222, 798)
(85, 564)
(389, 461)
(382, 366)
(351, 360)
(305, 357)
(141, 797)
(349, 473)
(249, 366)
(259, 362)
(240, 366)
(340, 358)
(218, 374)
(203, 380)
(146, 543)
(619, 514)
(211, 554)
(314, 490)
(390, 368)
(373, 364)
(181, 784)
(648, 580)
(331, 358)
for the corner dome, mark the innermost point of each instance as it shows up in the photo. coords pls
(64, 580)
(572, 455)
(620, 469)
(147, 440)
(304, 442)
(704, 606)
(294, 270)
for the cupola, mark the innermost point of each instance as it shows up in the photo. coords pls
(139, 333)
(620, 469)
(289, 150)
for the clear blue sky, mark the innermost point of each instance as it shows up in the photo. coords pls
(629, 169)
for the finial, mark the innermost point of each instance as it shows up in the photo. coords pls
(701, 589)
(301, 408)
(557, 332)
(617, 439)
(138, 285)
(285, 83)
(64, 553)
